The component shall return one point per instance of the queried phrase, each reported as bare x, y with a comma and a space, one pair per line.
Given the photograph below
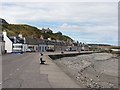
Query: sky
88, 22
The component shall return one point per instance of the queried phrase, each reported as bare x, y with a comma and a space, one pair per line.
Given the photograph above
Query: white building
8, 43
19, 47
14, 44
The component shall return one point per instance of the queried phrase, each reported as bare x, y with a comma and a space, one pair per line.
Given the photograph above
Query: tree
59, 33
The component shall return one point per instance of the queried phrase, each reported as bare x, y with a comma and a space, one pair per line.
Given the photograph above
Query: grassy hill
31, 31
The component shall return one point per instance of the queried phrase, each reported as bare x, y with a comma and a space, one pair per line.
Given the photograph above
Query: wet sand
98, 70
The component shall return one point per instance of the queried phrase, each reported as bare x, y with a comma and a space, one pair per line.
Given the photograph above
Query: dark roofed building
32, 43
48, 30
17, 40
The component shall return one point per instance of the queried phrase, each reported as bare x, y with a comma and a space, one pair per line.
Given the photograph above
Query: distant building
47, 30
50, 45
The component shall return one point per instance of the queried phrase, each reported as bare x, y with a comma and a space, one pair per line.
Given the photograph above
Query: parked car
50, 50
70, 49
73, 50
67, 50
17, 52
30, 50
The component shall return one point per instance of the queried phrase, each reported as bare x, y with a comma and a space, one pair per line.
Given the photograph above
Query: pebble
78, 64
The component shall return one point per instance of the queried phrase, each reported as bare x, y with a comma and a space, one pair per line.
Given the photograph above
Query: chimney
14, 39
41, 37
49, 39
24, 40
20, 35
4, 33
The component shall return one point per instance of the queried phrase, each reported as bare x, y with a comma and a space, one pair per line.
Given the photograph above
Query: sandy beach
98, 70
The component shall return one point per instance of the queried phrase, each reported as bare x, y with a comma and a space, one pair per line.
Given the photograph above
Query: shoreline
91, 71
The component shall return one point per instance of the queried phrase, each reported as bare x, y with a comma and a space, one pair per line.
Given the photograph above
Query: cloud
90, 29
65, 26
90, 33
90, 21
62, 12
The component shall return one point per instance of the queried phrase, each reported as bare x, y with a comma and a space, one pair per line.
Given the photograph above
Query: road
23, 71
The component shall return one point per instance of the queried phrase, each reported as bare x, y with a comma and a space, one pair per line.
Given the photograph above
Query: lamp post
78, 46
61, 48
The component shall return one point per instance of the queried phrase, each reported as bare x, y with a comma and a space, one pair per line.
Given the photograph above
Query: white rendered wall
17, 46
25, 47
8, 43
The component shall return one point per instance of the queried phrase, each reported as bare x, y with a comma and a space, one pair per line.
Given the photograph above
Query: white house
14, 44
8, 43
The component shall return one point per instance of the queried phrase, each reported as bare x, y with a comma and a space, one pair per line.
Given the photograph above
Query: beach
97, 70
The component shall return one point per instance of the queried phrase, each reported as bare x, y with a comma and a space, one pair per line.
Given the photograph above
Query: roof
17, 40
46, 30
48, 42
41, 41
31, 41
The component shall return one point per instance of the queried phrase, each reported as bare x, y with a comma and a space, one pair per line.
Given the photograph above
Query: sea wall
57, 56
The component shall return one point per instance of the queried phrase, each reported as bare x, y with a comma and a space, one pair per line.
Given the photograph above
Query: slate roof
31, 41
48, 42
41, 41
17, 40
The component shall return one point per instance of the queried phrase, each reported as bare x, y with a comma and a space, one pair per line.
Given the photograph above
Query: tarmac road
23, 71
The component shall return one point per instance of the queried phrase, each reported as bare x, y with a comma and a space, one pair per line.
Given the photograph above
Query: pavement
56, 77
25, 71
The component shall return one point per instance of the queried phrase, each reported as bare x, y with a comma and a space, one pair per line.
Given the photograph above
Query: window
17, 46
45, 48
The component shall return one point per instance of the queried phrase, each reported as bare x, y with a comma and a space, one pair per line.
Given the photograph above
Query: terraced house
22, 44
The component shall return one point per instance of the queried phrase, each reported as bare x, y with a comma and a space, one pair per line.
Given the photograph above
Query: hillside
31, 31
2, 21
